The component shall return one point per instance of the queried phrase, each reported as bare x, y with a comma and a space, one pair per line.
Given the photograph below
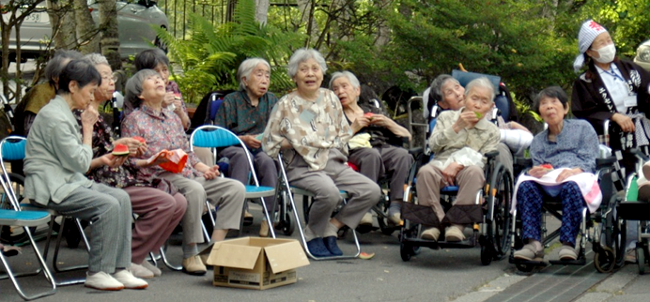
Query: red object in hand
120, 150
369, 114
547, 166
140, 139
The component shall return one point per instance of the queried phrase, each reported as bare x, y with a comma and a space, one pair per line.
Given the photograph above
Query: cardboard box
256, 263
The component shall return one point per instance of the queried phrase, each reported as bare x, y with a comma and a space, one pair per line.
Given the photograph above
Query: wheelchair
490, 217
600, 228
633, 209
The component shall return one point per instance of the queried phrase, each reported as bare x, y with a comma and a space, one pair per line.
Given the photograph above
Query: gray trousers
265, 169
227, 195
387, 159
109, 211
469, 180
325, 184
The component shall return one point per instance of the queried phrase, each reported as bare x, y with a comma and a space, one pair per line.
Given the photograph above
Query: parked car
643, 55
134, 20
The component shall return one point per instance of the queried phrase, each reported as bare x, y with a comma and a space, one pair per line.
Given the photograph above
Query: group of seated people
70, 167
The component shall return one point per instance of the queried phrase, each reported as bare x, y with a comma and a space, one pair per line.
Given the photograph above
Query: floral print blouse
161, 130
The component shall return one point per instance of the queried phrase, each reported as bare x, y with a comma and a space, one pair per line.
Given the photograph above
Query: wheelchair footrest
579, 261
469, 243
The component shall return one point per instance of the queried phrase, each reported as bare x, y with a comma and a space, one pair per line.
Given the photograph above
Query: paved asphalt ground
433, 275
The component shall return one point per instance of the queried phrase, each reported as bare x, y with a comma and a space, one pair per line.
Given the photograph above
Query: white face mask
606, 54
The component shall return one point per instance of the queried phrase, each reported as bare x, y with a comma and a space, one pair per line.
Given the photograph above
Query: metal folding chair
12, 148
307, 195
213, 137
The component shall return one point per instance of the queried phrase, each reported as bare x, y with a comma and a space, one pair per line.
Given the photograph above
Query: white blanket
587, 182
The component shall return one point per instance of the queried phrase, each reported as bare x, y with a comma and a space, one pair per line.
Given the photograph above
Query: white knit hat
588, 33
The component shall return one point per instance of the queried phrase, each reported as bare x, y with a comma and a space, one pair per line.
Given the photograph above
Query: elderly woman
564, 159
156, 59
450, 95
56, 158
379, 157
158, 211
459, 141
246, 113
162, 130
309, 125
41, 94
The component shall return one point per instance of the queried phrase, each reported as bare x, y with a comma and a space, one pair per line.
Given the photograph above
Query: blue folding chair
12, 148
213, 137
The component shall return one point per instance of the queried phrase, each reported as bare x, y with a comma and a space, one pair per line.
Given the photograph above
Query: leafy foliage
211, 54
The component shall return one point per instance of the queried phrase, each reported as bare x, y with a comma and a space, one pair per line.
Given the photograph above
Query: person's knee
329, 195
427, 172
370, 156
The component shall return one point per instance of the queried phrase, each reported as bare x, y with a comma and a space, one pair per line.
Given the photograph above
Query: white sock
331, 230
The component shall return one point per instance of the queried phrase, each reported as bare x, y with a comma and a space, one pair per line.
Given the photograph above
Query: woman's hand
89, 117
136, 148
112, 160
380, 120
568, 173
626, 123
168, 99
466, 119
360, 123
212, 173
538, 171
251, 141
449, 173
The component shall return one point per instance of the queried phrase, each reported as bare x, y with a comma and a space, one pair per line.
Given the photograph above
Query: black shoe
330, 244
317, 248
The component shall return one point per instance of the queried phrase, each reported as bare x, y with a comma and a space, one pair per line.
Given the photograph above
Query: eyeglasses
109, 79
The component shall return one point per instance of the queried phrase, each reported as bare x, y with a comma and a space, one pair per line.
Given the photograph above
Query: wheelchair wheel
619, 242
640, 259
526, 268
406, 251
499, 228
286, 225
605, 260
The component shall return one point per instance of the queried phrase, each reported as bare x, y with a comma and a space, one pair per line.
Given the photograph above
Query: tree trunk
110, 42
306, 8
230, 10
62, 21
383, 31
86, 29
261, 11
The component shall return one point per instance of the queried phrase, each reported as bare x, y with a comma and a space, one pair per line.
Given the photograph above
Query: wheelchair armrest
605, 162
416, 151
492, 154
639, 154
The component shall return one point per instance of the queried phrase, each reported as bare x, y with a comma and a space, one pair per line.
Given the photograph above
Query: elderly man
246, 113
460, 140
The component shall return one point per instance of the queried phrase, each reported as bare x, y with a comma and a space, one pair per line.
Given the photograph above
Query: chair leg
42, 263
55, 266
163, 255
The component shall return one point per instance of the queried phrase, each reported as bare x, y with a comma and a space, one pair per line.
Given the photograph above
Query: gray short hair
56, 65
481, 82
246, 68
302, 55
435, 93
350, 76
96, 59
133, 88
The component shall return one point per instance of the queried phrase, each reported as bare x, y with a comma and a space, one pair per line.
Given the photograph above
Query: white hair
481, 82
350, 76
302, 55
96, 59
246, 68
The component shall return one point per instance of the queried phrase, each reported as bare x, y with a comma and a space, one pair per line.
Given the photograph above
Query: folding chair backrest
12, 148
213, 137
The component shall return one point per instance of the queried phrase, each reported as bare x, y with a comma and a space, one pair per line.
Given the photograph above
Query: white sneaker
155, 270
140, 271
102, 281
130, 281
